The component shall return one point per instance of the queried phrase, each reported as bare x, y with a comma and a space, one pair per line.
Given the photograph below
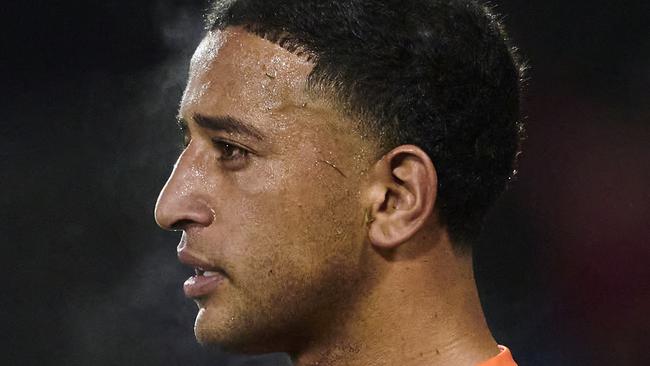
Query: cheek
263, 180
292, 214
294, 223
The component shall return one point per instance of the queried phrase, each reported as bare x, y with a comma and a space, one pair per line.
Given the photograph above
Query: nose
182, 201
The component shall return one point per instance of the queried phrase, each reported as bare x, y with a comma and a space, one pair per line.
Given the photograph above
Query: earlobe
402, 196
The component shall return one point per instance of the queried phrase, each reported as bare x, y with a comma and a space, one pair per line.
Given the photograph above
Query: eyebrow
225, 123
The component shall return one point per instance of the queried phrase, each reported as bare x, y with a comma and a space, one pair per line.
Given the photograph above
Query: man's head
320, 138
266, 204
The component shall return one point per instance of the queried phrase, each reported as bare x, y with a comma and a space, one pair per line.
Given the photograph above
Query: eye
229, 151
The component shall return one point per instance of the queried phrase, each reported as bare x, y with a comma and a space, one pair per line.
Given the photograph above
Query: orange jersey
502, 359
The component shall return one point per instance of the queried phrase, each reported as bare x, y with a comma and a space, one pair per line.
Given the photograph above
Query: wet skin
277, 206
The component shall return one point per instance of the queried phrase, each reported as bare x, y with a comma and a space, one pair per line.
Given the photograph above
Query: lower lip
199, 286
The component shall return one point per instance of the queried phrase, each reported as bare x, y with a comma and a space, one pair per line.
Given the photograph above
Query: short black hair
439, 74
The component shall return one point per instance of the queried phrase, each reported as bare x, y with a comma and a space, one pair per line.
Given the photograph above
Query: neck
422, 311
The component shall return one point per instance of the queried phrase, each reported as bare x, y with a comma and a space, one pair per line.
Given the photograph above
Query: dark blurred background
89, 94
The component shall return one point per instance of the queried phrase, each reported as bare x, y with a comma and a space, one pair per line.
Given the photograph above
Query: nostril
182, 214
181, 225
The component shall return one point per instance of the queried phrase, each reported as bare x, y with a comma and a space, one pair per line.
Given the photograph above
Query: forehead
234, 72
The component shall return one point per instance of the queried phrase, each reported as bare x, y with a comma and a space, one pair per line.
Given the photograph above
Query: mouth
203, 284
206, 278
208, 273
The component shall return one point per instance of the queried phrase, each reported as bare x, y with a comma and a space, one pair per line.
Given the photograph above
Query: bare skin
331, 251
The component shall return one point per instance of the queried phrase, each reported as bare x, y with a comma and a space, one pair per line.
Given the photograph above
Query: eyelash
222, 145
228, 150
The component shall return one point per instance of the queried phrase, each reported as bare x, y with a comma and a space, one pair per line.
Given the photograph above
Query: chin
214, 328
210, 328
232, 344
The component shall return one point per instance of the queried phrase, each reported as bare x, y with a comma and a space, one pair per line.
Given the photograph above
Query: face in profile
267, 193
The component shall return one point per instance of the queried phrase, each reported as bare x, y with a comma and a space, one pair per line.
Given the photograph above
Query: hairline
318, 89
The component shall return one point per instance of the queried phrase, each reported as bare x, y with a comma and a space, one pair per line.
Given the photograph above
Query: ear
401, 196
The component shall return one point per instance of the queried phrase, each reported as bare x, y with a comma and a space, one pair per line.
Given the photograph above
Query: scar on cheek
333, 166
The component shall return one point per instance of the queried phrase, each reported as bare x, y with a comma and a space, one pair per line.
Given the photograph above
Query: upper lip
194, 261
